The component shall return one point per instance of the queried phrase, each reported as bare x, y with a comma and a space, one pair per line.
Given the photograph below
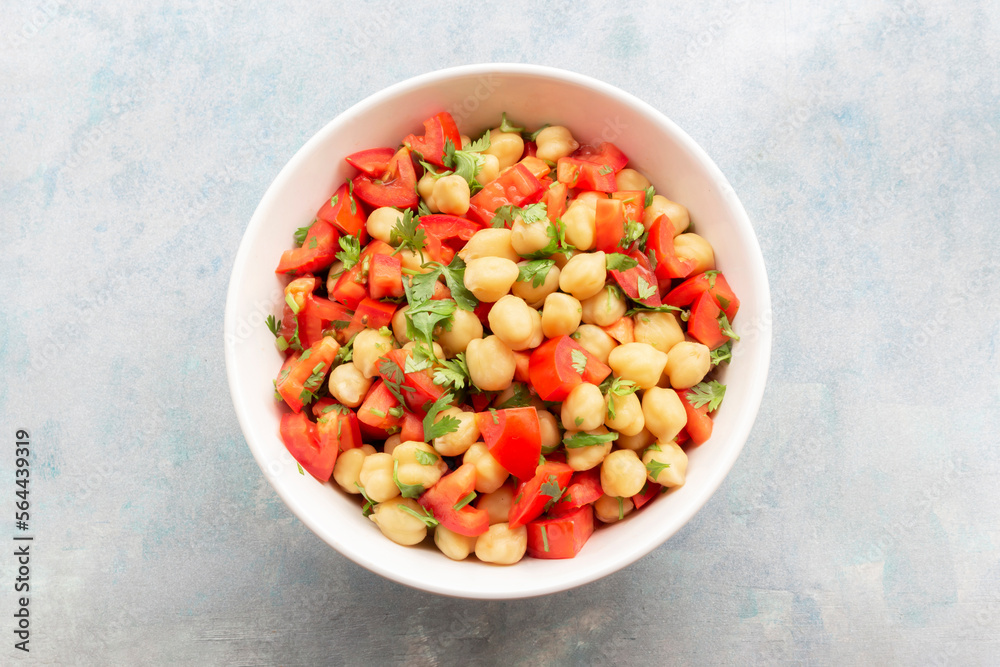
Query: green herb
650, 191
446, 425
422, 358
281, 343
396, 411
725, 327
721, 354
392, 376
551, 489
378, 413
425, 515
366, 509
453, 372
534, 213
621, 388
425, 458
310, 386
406, 234
464, 501
302, 232
507, 126
301, 471
534, 135
292, 303
584, 439
346, 352
454, 277
616, 261
706, 393
422, 209
340, 409
405, 490
579, 361
313, 243
723, 301
421, 319
579, 421
605, 170
273, 324
537, 270
520, 398
350, 251
493, 413
652, 259
710, 275
350, 197
645, 289
467, 162
504, 216
654, 309
633, 232
654, 448
545, 539
655, 467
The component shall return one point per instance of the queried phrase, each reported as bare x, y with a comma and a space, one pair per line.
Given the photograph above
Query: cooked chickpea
412, 345
453, 545
562, 258
399, 325
425, 188
687, 364
399, 526
490, 243
457, 442
584, 275
502, 544
381, 221
609, 509
628, 419
604, 308
664, 413
590, 456
451, 194
692, 246
349, 385
490, 475
497, 504
595, 340
369, 346
465, 327
424, 468
535, 296
331, 278
637, 442
298, 289
489, 278
555, 142
412, 261
630, 179
561, 315
489, 170
376, 477
639, 362
507, 147
516, 323
528, 238
661, 330
662, 206
583, 408
491, 363
550, 431
622, 474
590, 198
347, 470
671, 464
390, 444
580, 223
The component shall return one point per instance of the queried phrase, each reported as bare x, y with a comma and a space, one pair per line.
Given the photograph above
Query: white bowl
476, 95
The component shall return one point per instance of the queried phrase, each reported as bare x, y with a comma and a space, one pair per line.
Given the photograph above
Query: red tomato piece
342, 211
661, 242
450, 490
639, 283
607, 154
530, 149
375, 410
316, 456
584, 488
561, 537
551, 368
699, 423
577, 173
538, 167
622, 330
385, 277
417, 388
372, 161
522, 369
548, 482
445, 227
480, 400
514, 186
610, 225
513, 437
634, 202
689, 290
437, 130
396, 187
306, 375
703, 323
318, 315
318, 251
555, 200
350, 287
482, 311
413, 427
649, 491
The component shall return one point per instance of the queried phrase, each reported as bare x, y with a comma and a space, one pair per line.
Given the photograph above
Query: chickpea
369, 346
490, 475
584, 275
451, 194
399, 325
465, 327
497, 504
662, 206
349, 385
457, 442
412, 261
390, 444
399, 526
490, 242
595, 340
664, 413
590, 456
453, 545
516, 323
692, 246
670, 465
590, 198
502, 544
630, 179
528, 238
628, 419
622, 474
347, 470
507, 147
489, 170
687, 364
410, 347
298, 289
424, 468
489, 278
336, 269
491, 363
562, 258
661, 330
535, 296
425, 188
639, 362
550, 431
580, 223
381, 221
637, 442
376, 477
604, 308
555, 142
583, 409
609, 509
561, 315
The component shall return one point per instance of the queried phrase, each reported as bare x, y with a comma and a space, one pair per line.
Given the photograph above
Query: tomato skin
622, 330
689, 290
661, 242
318, 251
350, 288
633, 202
538, 167
555, 200
396, 187
304, 444
628, 280
448, 226
529, 501
385, 277
421, 388
342, 211
703, 323
551, 371
522, 368
577, 173
372, 161
291, 387
437, 129
564, 535
643, 497
514, 438
699, 424
317, 315
413, 427
374, 411
584, 488
441, 499
605, 155
514, 186
610, 225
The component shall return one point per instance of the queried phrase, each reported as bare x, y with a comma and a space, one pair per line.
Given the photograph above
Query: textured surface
860, 523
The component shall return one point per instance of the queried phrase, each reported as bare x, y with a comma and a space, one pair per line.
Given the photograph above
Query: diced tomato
318, 251
448, 226
561, 537
482, 311
370, 314
289, 327
536, 166
322, 406
441, 291
420, 388
622, 330
682, 437
638, 282
555, 200
413, 427
450, 490
649, 491
699, 424
577, 173
316, 456
437, 251
607, 154
514, 186
385, 277
375, 410
530, 149
372, 161
338, 428
551, 368
634, 202
437, 130
716, 284
522, 368
610, 225
350, 287
318, 315
513, 437
661, 242
342, 211
584, 488
480, 400
313, 363
396, 187
703, 323
537, 491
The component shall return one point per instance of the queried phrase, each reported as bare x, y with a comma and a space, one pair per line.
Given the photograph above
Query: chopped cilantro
406, 234
584, 439
656, 467
507, 126
405, 490
537, 270
706, 393
426, 515
464, 501
445, 425
616, 261
579, 361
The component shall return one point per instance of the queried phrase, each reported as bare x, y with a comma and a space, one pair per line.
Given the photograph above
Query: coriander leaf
504, 216
432, 170
726, 327
302, 232
551, 489
405, 490
534, 135
710, 275
422, 209
507, 126
464, 501
392, 376
536, 270
654, 447
446, 425
710, 393
366, 510
579, 420
579, 361
633, 232
616, 261
292, 303
655, 468
465, 164
273, 324
545, 539
426, 516
453, 372
654, 309
479, 145
721, 354
309, 387
620, 388
645, 289
534, 213
650, 191
493, 413
723, 301
605, 170
406, 234
454, 278
421, 319
426, 458
584, 439
520, 398
422, 358
351, 251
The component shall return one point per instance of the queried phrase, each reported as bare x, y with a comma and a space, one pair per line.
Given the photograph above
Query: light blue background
860, 524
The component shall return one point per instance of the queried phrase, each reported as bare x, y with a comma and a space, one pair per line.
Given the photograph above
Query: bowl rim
751, 403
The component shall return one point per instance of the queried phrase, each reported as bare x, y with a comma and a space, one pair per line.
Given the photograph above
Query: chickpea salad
499, 340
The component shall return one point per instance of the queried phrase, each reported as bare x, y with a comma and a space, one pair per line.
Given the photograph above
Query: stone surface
860, 525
